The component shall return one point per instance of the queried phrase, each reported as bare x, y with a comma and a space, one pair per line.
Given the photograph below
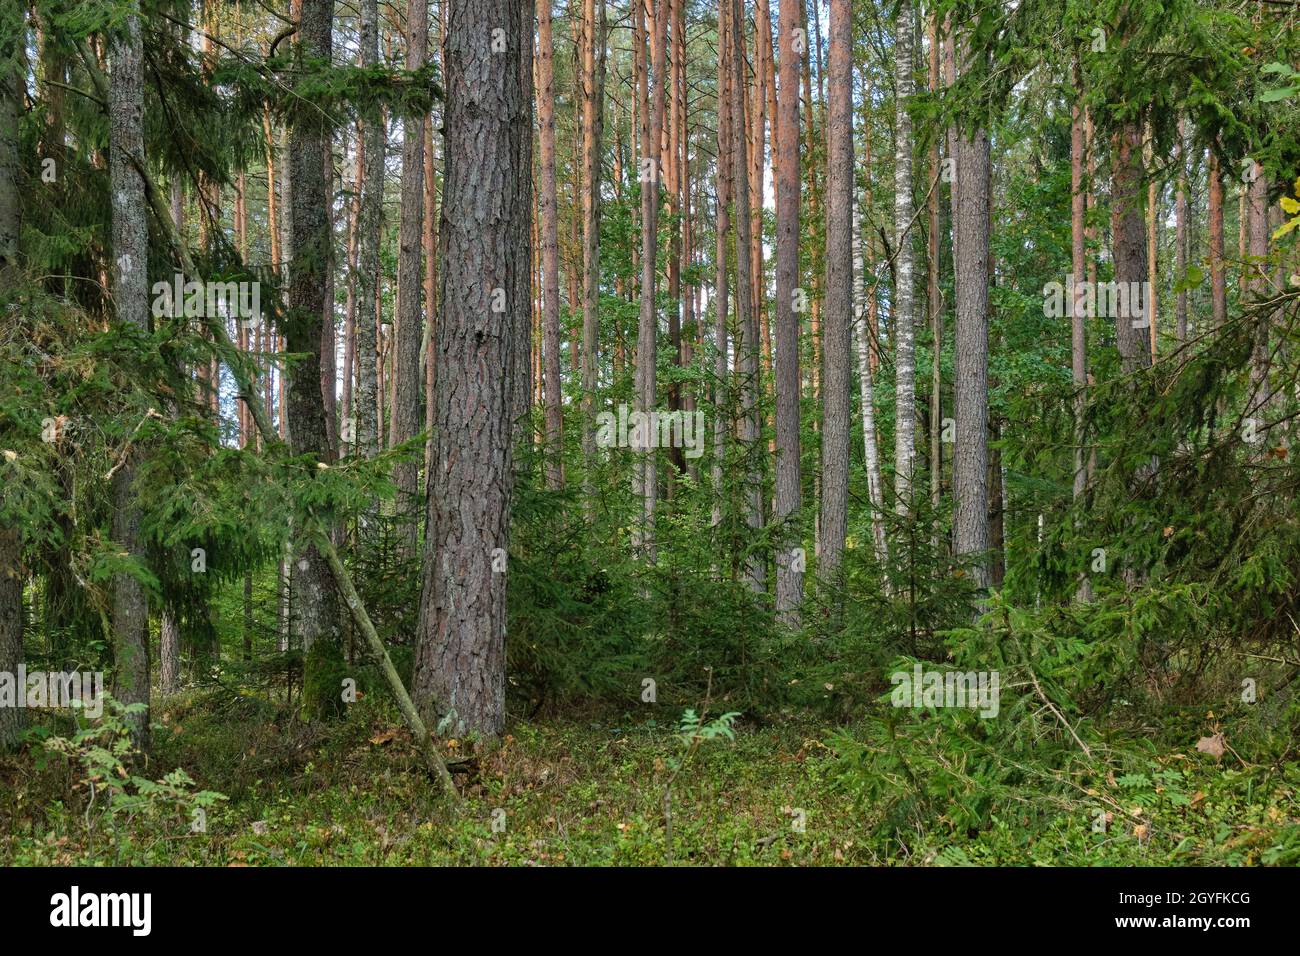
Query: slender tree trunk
721, 292
867, 399
1078, 268
550, 248
970, 218
315, 599
369, 224
904, 293
460, 657
1153, 201
864, 335
520, 294
933, 296
12, 576
747, 354
130, 231
789, 576
652, 121
1218, 281
1180, 235
1258, 283
838, 315
407, 409
593, 90
350, 308
430, 289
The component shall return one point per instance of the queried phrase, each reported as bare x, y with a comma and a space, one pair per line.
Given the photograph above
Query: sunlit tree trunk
904, 293
838, 315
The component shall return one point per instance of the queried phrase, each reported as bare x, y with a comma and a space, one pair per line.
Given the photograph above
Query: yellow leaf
1290, 205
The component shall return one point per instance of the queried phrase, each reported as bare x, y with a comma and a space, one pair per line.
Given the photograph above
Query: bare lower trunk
1078, 268
460, 657
838, 316
721, 291
369, 223
789, 576
1218, 281
904, 293
867, 400
1128, 235
130, 612
408, 410
593, 90
970, 219
316, 617
169, 653
646, 475
747, 354
550, 249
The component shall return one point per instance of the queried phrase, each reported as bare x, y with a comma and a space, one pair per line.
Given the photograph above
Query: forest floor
579, 792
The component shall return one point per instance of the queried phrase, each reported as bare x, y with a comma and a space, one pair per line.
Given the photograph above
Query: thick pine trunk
460, 659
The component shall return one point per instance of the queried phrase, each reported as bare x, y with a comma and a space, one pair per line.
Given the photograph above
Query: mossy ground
590, 791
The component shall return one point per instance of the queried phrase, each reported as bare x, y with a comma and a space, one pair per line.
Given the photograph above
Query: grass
590, 792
